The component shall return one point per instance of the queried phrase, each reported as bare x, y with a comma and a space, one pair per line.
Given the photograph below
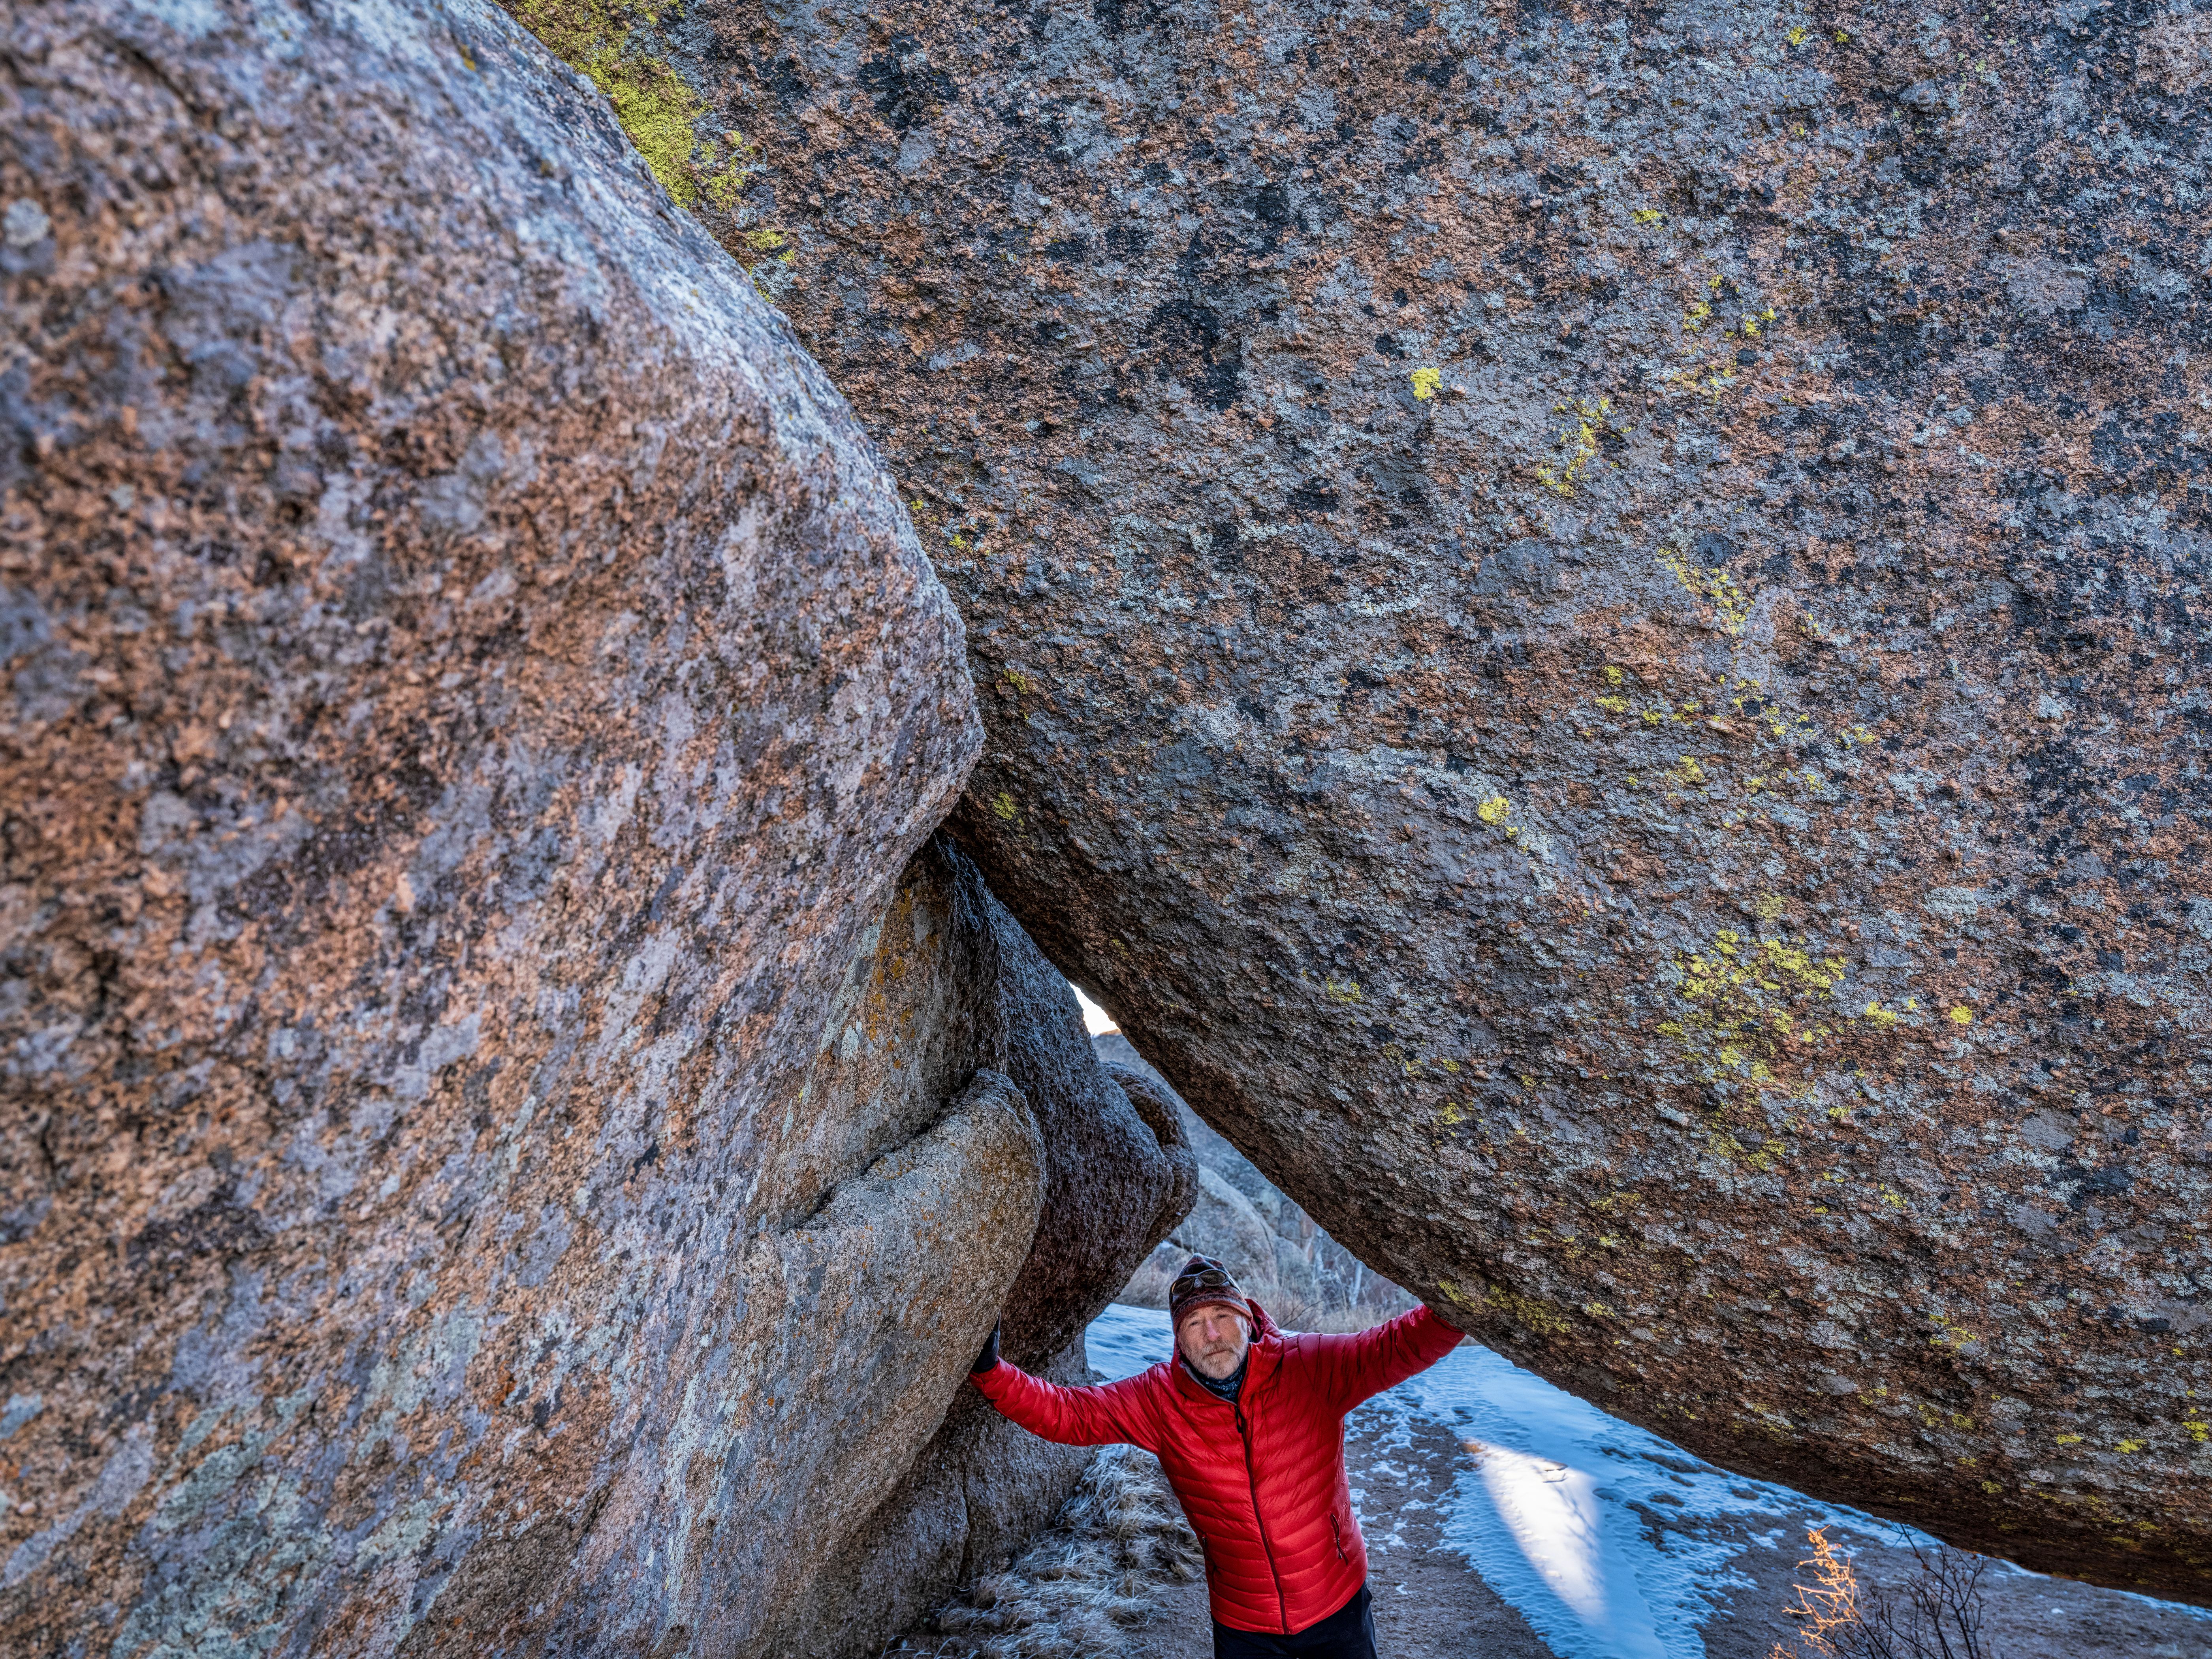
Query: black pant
1347, 1633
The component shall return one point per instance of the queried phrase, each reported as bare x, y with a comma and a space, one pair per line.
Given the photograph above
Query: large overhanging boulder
1592, 631
511, 1135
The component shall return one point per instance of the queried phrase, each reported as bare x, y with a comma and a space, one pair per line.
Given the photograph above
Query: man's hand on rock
988, 1359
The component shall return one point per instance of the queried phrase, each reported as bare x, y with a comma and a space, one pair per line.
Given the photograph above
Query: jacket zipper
1282, 1603
1336, 1527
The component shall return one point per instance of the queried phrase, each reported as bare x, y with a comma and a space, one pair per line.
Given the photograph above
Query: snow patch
1558, 1513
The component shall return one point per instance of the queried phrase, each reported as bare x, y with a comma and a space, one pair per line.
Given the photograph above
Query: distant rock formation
1305, 1278
1592, 620
510, 1135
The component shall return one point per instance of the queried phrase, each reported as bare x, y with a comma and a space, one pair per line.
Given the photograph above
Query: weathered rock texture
497, 1158
835, 1563
954, 971
1592, 627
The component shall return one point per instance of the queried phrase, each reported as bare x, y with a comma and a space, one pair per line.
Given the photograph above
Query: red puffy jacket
1262, 1480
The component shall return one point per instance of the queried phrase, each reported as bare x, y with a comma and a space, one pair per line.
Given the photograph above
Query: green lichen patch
702, 164
1731, 606
1759, 1010
1576, 446
1529, 1312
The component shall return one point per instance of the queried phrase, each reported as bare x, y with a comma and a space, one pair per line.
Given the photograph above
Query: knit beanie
1202, 1280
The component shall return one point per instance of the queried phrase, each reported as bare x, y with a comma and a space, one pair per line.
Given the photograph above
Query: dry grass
1076, 1591
1148, 1288
1148, 1285
1936, 1615
1296, 1314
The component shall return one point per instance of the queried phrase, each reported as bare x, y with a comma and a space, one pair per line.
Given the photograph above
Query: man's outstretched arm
1385, 1356
1072, 1417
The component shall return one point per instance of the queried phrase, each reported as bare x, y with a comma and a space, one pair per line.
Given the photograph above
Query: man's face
1213, 1338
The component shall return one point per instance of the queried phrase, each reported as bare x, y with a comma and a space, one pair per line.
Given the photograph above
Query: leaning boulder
1591, 623
953, 975
474, 712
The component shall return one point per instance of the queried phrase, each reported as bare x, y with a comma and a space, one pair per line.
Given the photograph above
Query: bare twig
1938, 1613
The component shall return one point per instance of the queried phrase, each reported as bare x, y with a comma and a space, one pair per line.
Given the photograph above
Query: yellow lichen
1576, 446
1494, 810
1003, 804
1734, 1152
1731, 606
1537, 1315
764, 241
1756, 1012
613, 44
1962, 1016
1426, 382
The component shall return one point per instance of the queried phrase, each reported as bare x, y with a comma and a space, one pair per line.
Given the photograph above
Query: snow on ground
1124, 1340
1545, 1517
1555, 1514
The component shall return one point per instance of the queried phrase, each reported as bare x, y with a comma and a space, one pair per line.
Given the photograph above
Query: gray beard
1227, 1386
1219, 1363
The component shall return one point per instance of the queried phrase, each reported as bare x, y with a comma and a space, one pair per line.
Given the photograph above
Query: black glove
988, 1359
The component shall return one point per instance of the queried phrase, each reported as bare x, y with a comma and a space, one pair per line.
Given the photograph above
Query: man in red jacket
1249, 1423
